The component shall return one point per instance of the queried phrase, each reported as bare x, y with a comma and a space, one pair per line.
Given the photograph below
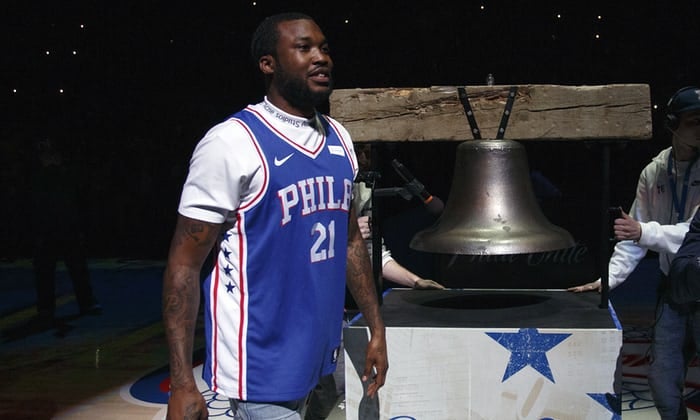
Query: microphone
433, 204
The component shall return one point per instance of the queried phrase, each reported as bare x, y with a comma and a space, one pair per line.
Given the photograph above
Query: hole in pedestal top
485, 301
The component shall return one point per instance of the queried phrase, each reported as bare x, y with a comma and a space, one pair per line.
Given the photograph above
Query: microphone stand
377, 232
370, 179
376, 247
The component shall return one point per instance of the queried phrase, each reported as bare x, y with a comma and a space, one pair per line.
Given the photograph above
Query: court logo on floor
152, 390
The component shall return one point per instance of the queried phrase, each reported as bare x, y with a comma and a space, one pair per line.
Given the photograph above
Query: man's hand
626, 228
187, 404
365, 224
588, 287
425, 284
375, 361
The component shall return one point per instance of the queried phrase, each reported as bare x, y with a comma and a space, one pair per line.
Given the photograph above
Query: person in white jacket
668, 194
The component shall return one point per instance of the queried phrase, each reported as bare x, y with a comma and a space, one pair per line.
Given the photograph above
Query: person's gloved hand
588, 287
365, 223
425, 284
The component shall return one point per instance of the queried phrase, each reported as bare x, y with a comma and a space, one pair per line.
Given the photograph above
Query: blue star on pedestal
528, 347
229, 287
612, 402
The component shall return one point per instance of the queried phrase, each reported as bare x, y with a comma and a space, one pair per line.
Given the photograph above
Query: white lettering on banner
315, 194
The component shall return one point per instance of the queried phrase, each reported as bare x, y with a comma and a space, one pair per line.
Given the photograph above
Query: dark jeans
675, 342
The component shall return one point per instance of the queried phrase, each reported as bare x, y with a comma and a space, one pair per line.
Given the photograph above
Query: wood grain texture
540, 112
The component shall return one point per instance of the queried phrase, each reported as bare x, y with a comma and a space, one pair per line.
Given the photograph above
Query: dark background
142, 81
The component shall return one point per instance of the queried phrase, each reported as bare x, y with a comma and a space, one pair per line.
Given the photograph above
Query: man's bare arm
191, 243
362, 288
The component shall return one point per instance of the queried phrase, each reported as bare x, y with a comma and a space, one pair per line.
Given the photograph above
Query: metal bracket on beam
476, 132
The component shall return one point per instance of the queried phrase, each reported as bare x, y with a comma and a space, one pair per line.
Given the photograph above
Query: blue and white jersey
275, 296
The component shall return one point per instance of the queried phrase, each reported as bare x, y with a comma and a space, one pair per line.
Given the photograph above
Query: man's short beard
298, 94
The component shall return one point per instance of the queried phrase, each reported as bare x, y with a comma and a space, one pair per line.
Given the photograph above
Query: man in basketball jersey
270, 190
668, 195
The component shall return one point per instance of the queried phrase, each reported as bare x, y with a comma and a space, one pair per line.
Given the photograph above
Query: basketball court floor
114, 365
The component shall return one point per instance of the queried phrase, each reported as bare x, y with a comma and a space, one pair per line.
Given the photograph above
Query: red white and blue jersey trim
273, 302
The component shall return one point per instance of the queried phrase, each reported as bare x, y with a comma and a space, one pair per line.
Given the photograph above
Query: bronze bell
492, 209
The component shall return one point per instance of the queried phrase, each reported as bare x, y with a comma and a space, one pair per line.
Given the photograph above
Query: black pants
47, 252
322, 399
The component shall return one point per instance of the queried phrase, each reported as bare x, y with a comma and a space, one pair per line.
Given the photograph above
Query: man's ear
266, 63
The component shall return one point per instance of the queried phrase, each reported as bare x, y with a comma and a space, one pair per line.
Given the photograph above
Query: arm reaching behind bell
427, 284
391, 269
623, 228
588, 287
395, 272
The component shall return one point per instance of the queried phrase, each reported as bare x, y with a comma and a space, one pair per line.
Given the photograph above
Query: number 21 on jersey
324, 245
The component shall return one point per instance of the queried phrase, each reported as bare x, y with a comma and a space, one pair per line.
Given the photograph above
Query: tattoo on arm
359, 276
191, 244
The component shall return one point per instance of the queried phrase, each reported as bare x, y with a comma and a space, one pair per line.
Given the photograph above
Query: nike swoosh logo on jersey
280, 162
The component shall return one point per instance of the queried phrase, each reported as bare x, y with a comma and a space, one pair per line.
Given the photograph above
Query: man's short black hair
266, 35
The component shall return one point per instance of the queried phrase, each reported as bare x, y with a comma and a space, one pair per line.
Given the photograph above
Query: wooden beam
540, 112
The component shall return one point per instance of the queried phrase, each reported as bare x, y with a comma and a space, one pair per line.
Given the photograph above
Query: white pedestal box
490, 354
